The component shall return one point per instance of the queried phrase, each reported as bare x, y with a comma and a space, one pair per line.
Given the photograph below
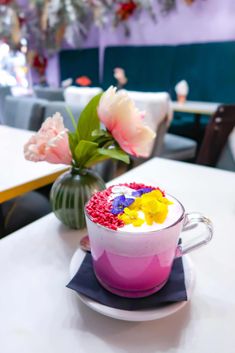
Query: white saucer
138, 315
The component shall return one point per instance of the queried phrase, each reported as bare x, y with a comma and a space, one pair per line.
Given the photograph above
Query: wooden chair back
216, 135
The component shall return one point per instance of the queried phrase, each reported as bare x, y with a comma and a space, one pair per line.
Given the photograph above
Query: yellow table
17, 175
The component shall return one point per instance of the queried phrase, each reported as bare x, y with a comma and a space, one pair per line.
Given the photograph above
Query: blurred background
175, 58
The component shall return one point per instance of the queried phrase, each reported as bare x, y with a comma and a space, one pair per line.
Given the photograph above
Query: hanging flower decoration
167, 6
46, 25
8, 24
189, 2
126, 10
40, 64
5, 2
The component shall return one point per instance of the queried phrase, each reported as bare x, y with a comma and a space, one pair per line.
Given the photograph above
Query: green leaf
100, 132
103, 138
115, 153
73, 141
96, 158
84, 151
69, 111
89, 119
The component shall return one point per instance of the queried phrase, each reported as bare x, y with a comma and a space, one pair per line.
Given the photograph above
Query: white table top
17, 175
206, 108
39, 314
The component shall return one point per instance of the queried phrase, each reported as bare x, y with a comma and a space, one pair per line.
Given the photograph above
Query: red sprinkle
99, 209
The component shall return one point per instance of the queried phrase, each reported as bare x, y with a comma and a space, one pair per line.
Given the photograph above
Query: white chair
24, 112
53, 107
156, 105
80, 95
158, 116
4, 92
49, 93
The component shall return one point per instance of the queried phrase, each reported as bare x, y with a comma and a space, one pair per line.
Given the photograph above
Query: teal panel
209, 69
148, 68
83, 62
219, 63
188, 65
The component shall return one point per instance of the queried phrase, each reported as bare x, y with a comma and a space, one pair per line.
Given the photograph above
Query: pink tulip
50, 143
125, 122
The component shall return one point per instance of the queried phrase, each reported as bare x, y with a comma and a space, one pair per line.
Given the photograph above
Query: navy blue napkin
85, 282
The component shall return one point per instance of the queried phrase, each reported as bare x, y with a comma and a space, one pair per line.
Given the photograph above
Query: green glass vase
71, 191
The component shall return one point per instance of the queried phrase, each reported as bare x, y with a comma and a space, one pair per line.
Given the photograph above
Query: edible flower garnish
155, 207
131, 217
120, 202
128, 204
152, 204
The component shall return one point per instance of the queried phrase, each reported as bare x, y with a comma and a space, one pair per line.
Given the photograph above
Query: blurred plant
83, 81
125, 10
120, 76
189, 2
47, 24
39, 63
5, 2
167, 6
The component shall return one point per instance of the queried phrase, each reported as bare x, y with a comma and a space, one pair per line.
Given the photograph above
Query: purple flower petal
116, 210
118, 200
119, 203
142, 191
128, 202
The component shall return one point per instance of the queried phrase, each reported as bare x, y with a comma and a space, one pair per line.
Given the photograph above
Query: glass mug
137, 264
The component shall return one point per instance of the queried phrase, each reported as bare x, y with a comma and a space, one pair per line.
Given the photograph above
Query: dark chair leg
2, 227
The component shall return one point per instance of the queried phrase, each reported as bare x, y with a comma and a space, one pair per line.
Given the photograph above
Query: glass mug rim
119, 233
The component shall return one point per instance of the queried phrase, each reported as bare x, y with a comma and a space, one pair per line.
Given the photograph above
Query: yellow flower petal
136, 205
124, 218
160, 217
138, 222
148, 218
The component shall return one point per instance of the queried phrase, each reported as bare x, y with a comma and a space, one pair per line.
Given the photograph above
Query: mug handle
189, 245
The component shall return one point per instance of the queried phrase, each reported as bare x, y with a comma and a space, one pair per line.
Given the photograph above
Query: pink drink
136, 261
131, 276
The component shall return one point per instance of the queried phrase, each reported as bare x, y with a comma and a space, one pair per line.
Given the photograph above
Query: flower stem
69, 111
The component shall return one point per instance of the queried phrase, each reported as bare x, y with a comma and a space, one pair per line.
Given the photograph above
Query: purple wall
92, 41
52, 71
203, 21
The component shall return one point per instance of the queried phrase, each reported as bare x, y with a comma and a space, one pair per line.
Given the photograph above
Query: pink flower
120, 76
50, 143
125, 122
